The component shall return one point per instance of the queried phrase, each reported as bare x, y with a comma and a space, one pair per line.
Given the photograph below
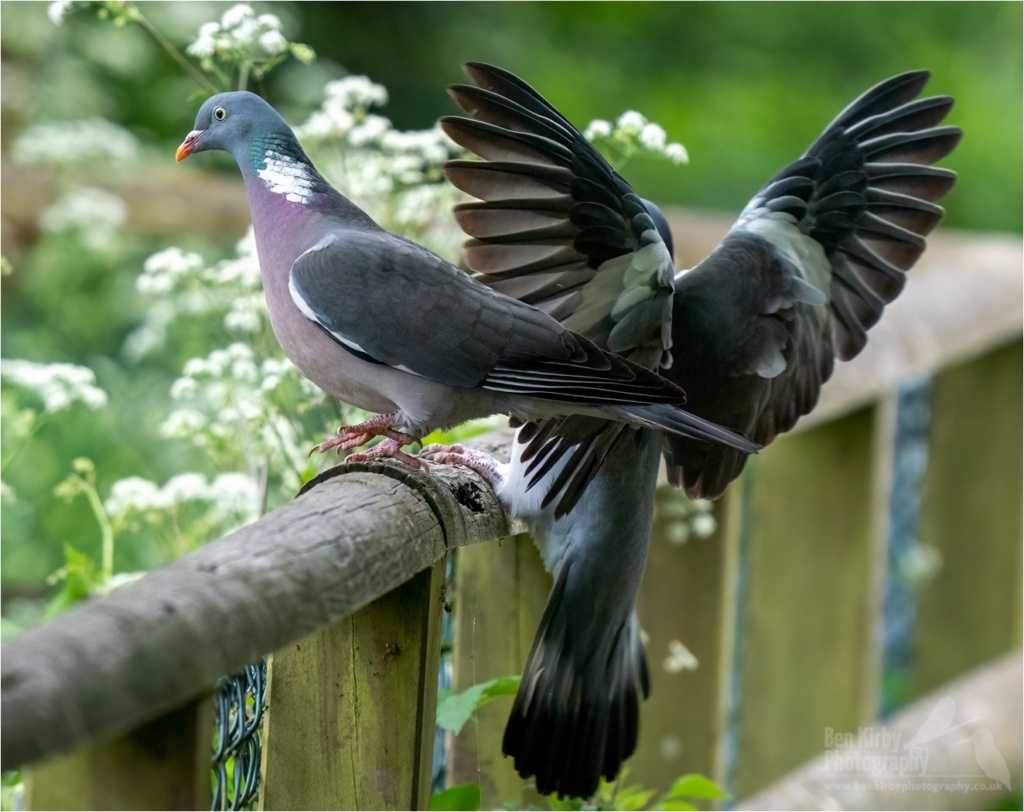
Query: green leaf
81, 577
502, 686
632, 798
560, 804
696, 786
683, 806
454, 710
463, 796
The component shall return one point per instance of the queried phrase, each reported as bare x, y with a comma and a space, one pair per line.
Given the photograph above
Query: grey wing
392, 302
806, 271
559, 228
556, 226
396, 303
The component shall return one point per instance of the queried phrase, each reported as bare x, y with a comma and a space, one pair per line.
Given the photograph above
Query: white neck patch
286, 176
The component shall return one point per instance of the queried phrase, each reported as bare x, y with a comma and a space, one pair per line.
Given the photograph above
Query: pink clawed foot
388, 448
380, 426
483, 464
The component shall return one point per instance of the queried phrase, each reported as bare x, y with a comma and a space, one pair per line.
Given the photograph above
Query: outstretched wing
556, 226
806, 271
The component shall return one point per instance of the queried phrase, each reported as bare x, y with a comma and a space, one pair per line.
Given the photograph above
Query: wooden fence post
351, 708
970, 612
164, 764
810, 576
500, 592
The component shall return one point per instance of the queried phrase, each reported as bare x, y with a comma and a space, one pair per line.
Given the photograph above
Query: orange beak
188, 145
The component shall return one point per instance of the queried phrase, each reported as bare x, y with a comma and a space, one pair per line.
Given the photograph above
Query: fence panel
350, 712
971, 611
807, 575
499, 596
164, 764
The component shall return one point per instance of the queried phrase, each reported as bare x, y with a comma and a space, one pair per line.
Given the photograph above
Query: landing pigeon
750, 333
384, 324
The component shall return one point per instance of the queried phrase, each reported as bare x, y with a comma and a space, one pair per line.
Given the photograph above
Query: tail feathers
576, 716
664, 417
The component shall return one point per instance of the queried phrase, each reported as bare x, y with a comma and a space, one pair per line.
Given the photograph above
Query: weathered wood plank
970, 612
500, 593
110, 665
164, 764
351, 707
807, 596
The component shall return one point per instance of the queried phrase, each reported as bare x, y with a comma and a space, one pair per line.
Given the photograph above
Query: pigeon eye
220, 113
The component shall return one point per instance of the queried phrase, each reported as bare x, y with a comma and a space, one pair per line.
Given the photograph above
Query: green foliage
12, 791
454, 710
463, 796
618, 794
231, 440
610, 795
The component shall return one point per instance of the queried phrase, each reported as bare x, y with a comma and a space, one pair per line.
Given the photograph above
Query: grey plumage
750, 333
333, 277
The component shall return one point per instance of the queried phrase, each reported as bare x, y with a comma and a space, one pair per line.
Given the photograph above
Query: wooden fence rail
109, 665
783, 608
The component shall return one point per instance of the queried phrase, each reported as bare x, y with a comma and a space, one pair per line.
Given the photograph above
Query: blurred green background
745, 86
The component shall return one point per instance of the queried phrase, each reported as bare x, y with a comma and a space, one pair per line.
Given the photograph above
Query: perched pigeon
384, 324
750, 333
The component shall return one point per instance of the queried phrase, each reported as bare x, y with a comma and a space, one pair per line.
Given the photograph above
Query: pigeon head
229, 122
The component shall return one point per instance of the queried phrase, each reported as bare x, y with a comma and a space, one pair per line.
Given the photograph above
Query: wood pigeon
750, 333
384, 324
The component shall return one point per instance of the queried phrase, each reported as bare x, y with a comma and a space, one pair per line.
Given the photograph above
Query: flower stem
175, 54
106, 532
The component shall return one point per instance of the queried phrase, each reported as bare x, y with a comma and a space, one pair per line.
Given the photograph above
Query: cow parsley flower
59, 386
94, 215
679, 658
58, 10
598, 128
242, 38
633, 133
88, 141
163, 271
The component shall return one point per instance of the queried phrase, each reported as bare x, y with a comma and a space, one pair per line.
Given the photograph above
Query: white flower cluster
92, 140
232, 496
94, 214
685, 518
180, 282
394, 175
59, 386
410, 157
58, 9
346, 102
163, 272
232, 400
240, 29
679, 658
631, 133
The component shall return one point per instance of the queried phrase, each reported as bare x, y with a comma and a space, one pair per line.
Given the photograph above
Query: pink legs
380, 426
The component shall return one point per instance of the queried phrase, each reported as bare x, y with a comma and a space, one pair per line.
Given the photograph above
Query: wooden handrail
111, 664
